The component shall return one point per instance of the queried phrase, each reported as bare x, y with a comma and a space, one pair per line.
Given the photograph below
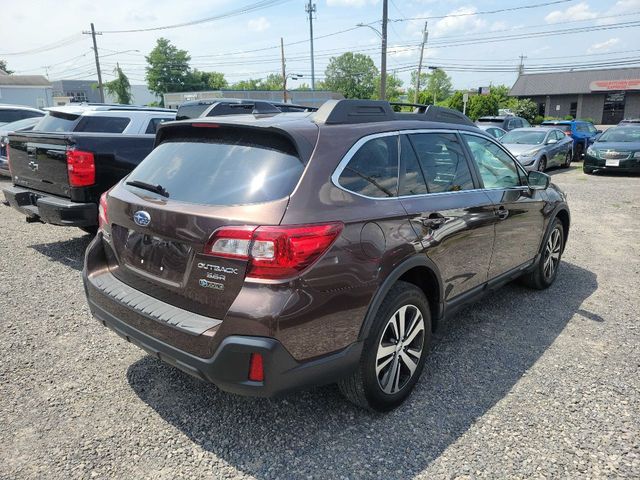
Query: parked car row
356, 229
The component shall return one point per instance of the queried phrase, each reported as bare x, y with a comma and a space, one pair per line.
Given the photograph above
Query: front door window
613, 111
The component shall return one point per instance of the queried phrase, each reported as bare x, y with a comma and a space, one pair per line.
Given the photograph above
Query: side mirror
538, 180
598, 131
551, 141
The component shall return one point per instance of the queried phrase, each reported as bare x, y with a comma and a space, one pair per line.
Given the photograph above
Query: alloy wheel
552, 253
400, 349
542, 164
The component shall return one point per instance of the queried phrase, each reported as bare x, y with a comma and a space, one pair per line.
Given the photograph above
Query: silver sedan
538, 148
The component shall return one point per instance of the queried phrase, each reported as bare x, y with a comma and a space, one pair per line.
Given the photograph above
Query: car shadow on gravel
477, 358
67, 252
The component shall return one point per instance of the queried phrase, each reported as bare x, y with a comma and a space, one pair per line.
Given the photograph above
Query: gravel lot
523, 384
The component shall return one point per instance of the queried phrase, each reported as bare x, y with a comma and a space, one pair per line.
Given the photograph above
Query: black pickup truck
74, 154
58, 177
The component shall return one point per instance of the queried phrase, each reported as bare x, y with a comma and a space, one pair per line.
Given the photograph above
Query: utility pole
521, 67
310, 8
93, 34
383, 60
425, 36
284, 74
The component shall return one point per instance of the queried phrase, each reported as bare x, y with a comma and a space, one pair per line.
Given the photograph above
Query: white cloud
581, 11
350, 3
459, 20
603, 46
258, 24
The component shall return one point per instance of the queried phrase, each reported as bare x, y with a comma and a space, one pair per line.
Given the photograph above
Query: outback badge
142, 218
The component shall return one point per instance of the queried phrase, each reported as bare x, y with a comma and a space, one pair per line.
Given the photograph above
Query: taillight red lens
274, 252
81, 167
103, 215
256, 368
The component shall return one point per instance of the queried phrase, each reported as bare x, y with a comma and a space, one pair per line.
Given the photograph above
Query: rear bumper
228, 367
48, 208
4, 167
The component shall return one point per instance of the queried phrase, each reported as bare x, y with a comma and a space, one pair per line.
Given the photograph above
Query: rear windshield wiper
159, 189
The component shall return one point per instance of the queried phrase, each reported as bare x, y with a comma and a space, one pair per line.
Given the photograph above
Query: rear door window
373, 169
234, 168
443, 162
411, 179
102, 124
154, 123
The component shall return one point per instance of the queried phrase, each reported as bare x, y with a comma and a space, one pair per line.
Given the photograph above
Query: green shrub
538, 119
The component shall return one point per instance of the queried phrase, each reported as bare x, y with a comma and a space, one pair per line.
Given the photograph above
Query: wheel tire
543, 275
90, 230
577, 154
587, 170
364, 386
542, 164
567, 159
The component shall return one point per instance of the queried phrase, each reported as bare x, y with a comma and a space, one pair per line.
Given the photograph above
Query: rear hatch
205, 179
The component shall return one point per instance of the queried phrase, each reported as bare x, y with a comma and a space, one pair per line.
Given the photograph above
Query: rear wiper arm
159, 189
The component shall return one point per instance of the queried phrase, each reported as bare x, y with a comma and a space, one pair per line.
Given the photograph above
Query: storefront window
613, 108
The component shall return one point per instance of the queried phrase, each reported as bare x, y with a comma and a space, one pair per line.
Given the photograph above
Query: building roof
24, 80
573, 82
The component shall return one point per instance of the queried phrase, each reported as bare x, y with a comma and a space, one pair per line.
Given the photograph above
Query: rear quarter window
231, 169
102, 124
373, 170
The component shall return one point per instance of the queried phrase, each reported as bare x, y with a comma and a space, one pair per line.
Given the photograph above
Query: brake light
256, 368
274, 252
103, 215
81, 167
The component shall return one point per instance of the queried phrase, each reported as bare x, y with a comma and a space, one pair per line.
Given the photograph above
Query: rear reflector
274, 252
81, 167
256, 368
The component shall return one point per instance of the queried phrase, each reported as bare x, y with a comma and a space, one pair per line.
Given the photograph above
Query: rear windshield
102, 124
8, 115
191, 111
233, 170
524, 137
57, 122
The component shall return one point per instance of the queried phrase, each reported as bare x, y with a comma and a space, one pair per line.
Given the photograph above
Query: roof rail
335, 112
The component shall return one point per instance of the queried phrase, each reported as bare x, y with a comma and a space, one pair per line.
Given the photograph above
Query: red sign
608, 85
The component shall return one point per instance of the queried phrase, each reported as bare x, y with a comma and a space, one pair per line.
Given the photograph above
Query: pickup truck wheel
546, 268
90, 230
394, 353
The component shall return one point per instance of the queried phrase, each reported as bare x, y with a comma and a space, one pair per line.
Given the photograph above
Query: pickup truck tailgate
38, 161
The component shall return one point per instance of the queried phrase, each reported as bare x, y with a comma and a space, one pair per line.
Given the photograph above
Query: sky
45, 37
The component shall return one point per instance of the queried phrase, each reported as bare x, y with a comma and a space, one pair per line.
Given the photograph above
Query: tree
481, 105
393, 90
168, 69
527, 108
120, 87
4, 68
249, 84
272, 82
438, 87
351, 74
303, 87
411, 91
217, 81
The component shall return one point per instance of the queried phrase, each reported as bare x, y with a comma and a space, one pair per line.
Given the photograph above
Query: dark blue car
583, 134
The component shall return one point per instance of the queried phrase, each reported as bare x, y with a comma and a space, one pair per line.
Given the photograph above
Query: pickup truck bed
41, 173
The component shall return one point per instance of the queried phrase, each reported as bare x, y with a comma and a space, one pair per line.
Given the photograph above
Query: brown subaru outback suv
264, 254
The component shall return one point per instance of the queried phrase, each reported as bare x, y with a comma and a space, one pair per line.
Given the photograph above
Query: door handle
502, 213
434, 221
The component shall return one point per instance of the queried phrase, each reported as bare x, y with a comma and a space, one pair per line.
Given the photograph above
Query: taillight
274, 252
256, 367
81, 167
103, 215
568, 134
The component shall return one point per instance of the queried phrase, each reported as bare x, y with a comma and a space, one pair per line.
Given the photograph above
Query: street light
383, 59
372, 28
292, 76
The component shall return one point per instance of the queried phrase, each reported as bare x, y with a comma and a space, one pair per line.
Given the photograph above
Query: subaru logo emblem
142, 218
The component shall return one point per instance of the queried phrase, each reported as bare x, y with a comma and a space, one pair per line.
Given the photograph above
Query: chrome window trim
356, 146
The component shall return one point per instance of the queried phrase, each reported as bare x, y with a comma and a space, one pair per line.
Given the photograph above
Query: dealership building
605, 96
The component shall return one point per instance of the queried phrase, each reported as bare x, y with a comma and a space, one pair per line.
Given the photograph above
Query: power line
231, 13
50, 46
